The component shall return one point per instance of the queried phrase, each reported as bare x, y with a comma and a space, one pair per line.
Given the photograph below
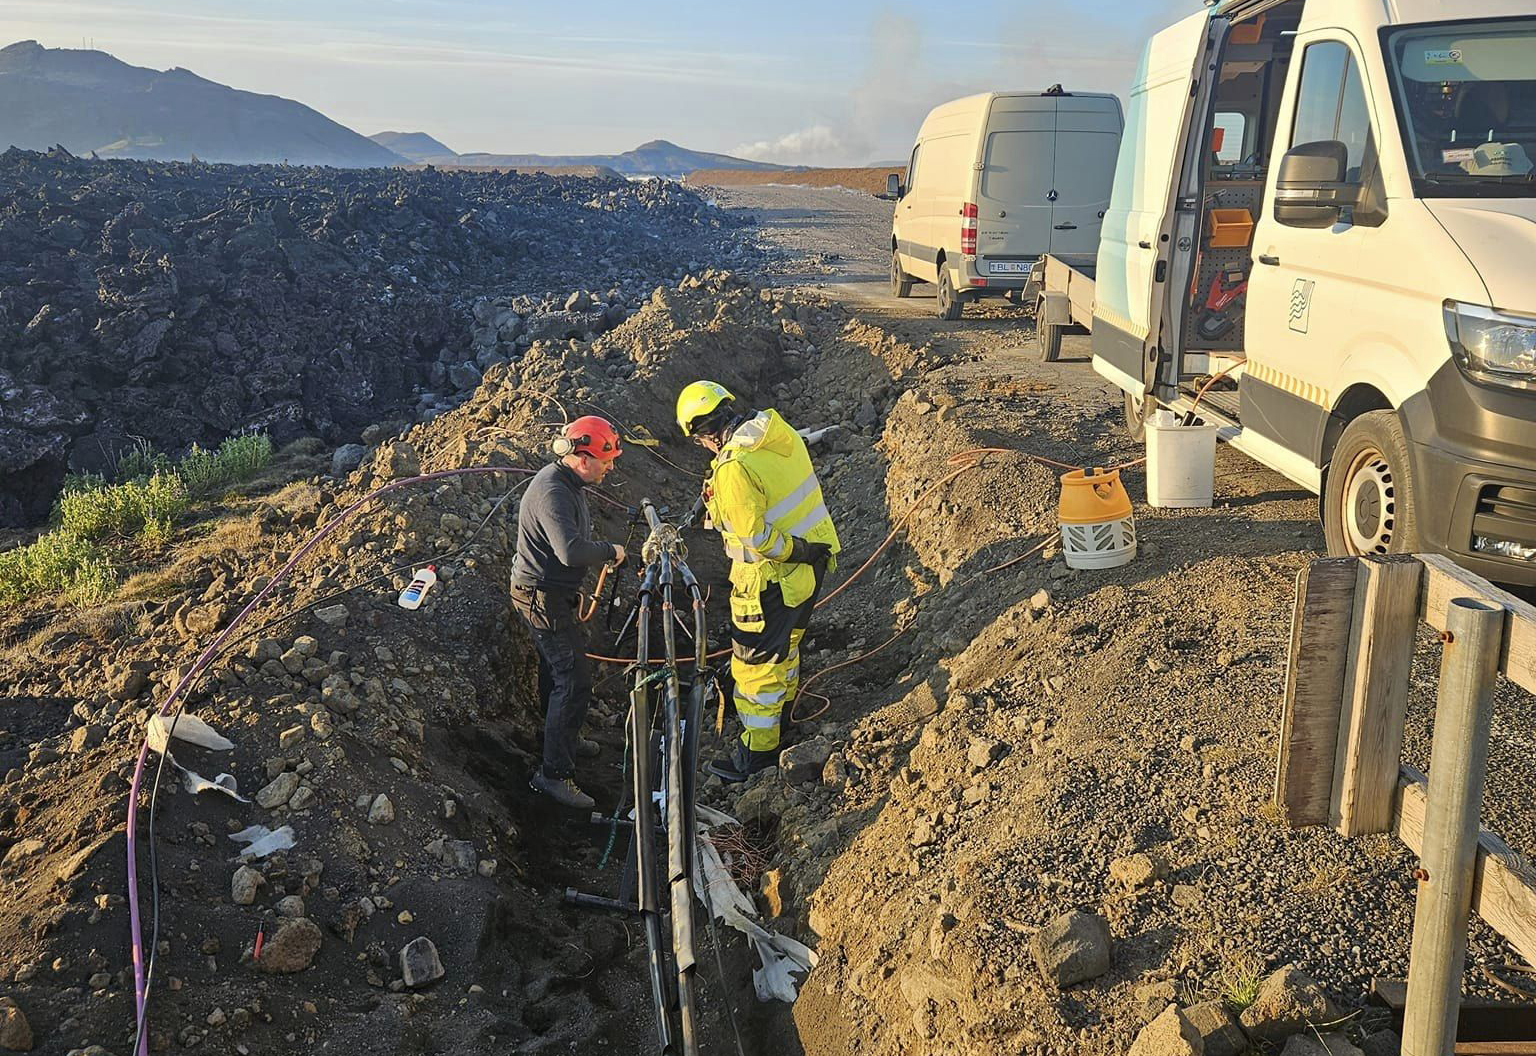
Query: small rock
382, 811
321, 725
15, 1031
347, 458
1170, 1034
1288, 1001
332, 615
802, 763
302, 798
486, 867
292, 947
291, 906
1309, 1044
85, 738
775, 888
982, 752
279, 792
1040, 601
1217, 1029
1135, 871
217, 1018
23, 849
1382, 1043
1150, 999
290, 737
460, 855
131, 683
420, 964
1073, 948
99, 980
242, 888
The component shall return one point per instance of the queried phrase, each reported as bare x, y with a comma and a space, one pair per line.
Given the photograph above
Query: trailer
1063, 297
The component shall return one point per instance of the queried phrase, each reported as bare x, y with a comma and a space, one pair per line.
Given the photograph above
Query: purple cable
141, 994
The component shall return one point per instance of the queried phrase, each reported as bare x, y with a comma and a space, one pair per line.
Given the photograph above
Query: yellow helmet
698, 400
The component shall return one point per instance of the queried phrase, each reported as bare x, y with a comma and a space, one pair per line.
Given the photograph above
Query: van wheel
1368, 501
1137, 408
949, 303
1049, 336
901, 282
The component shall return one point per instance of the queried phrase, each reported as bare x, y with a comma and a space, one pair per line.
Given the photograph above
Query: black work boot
742, 764
586, 748
562, 790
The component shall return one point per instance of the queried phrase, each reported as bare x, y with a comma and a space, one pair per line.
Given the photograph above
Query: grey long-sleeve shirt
554, 533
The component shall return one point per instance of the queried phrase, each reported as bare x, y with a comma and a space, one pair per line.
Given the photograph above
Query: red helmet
590, 435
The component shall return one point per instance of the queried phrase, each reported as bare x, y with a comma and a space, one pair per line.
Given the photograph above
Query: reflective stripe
809, 521
803, 491
758, 722
765, 699
756, 542
778, 552
736, 552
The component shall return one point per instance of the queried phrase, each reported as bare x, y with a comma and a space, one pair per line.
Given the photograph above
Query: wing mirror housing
893, 188
1310, 188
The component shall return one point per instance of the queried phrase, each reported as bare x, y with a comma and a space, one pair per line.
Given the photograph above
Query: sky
790, 81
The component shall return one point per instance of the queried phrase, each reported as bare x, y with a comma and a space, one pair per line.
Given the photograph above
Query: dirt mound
185, 302
339, 702
870, 180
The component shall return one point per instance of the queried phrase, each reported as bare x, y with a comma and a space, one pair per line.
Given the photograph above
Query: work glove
805, 552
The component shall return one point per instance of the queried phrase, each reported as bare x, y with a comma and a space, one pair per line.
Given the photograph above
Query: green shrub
140, 462
122, 510
238, 458
58, 563
200, 471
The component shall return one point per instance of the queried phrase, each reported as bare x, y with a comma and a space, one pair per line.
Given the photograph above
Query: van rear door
1126, 294
1087, 140
1018, 166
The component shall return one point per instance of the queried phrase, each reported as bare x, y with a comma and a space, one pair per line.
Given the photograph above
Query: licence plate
1009, 267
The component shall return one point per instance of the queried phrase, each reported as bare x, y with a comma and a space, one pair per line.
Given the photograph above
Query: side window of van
912, 168
1331, 103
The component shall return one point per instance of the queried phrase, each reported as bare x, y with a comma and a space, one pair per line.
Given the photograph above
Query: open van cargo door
1133, 256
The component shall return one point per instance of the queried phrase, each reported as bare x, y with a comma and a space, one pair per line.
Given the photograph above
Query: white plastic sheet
188, 728
262, 841
196, 783
781, 955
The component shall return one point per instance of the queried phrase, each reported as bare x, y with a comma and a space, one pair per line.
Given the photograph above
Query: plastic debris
263, 841
185, 727
196, 783
781, 955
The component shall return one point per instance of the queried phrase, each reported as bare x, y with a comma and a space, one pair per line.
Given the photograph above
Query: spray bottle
411, 596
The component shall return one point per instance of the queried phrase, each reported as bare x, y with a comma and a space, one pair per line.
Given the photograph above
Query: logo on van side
1301, 305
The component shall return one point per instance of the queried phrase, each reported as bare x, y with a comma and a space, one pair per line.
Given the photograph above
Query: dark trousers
565, 675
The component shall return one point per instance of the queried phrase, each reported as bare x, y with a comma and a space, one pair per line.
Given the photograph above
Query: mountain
89, 101
656, 158
417, 146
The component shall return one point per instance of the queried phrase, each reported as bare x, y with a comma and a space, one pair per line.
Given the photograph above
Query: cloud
813, 145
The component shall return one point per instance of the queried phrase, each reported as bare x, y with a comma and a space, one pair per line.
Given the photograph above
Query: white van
1323, 230
997, 181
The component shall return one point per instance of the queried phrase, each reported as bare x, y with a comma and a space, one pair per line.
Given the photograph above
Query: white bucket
1181, 463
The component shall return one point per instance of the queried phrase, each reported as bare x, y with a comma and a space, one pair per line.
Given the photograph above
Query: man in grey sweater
555, 549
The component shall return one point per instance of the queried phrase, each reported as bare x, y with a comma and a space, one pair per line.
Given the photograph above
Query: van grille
1506, 512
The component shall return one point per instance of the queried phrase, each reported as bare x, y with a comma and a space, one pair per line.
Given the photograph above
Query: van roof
1387, 12
983, 100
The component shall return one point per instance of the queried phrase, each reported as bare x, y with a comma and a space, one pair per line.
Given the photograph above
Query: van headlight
1492, 346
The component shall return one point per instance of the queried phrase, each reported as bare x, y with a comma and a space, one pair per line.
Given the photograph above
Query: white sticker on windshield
1443, 57
1458, 155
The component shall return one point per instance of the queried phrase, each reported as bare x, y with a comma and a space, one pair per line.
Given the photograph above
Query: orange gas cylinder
1097, 527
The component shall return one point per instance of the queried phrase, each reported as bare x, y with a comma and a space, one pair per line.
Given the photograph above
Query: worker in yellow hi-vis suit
763, 496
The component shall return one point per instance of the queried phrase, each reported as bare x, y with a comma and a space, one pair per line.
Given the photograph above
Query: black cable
154, 796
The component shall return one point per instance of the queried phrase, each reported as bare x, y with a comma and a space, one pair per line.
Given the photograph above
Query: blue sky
794, 81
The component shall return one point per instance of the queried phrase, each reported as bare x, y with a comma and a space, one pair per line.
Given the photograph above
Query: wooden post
1314, 689
1457, 765
1370, 741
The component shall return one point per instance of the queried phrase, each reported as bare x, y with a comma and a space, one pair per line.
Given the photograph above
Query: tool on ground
1228, 287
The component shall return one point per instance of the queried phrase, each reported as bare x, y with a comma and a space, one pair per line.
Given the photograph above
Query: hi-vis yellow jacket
762, 493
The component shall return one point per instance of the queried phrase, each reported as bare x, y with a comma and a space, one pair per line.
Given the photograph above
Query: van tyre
949, 303
1137, 408
1049, 336
1368, 500
901, 282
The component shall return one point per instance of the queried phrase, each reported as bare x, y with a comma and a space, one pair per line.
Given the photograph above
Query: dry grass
870, 180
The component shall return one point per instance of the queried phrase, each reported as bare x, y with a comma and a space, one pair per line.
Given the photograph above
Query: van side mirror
893, 188
1310, 190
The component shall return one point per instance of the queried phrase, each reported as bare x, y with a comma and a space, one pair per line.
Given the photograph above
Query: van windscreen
1019, 166
1466, 96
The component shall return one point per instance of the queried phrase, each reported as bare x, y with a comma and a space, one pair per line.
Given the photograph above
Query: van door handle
1270, 259
1066, 227
1144, 244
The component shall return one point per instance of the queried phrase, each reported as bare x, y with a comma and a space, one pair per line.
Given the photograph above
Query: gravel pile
185, 302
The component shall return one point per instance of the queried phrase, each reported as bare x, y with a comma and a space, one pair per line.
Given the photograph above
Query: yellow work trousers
765, 661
